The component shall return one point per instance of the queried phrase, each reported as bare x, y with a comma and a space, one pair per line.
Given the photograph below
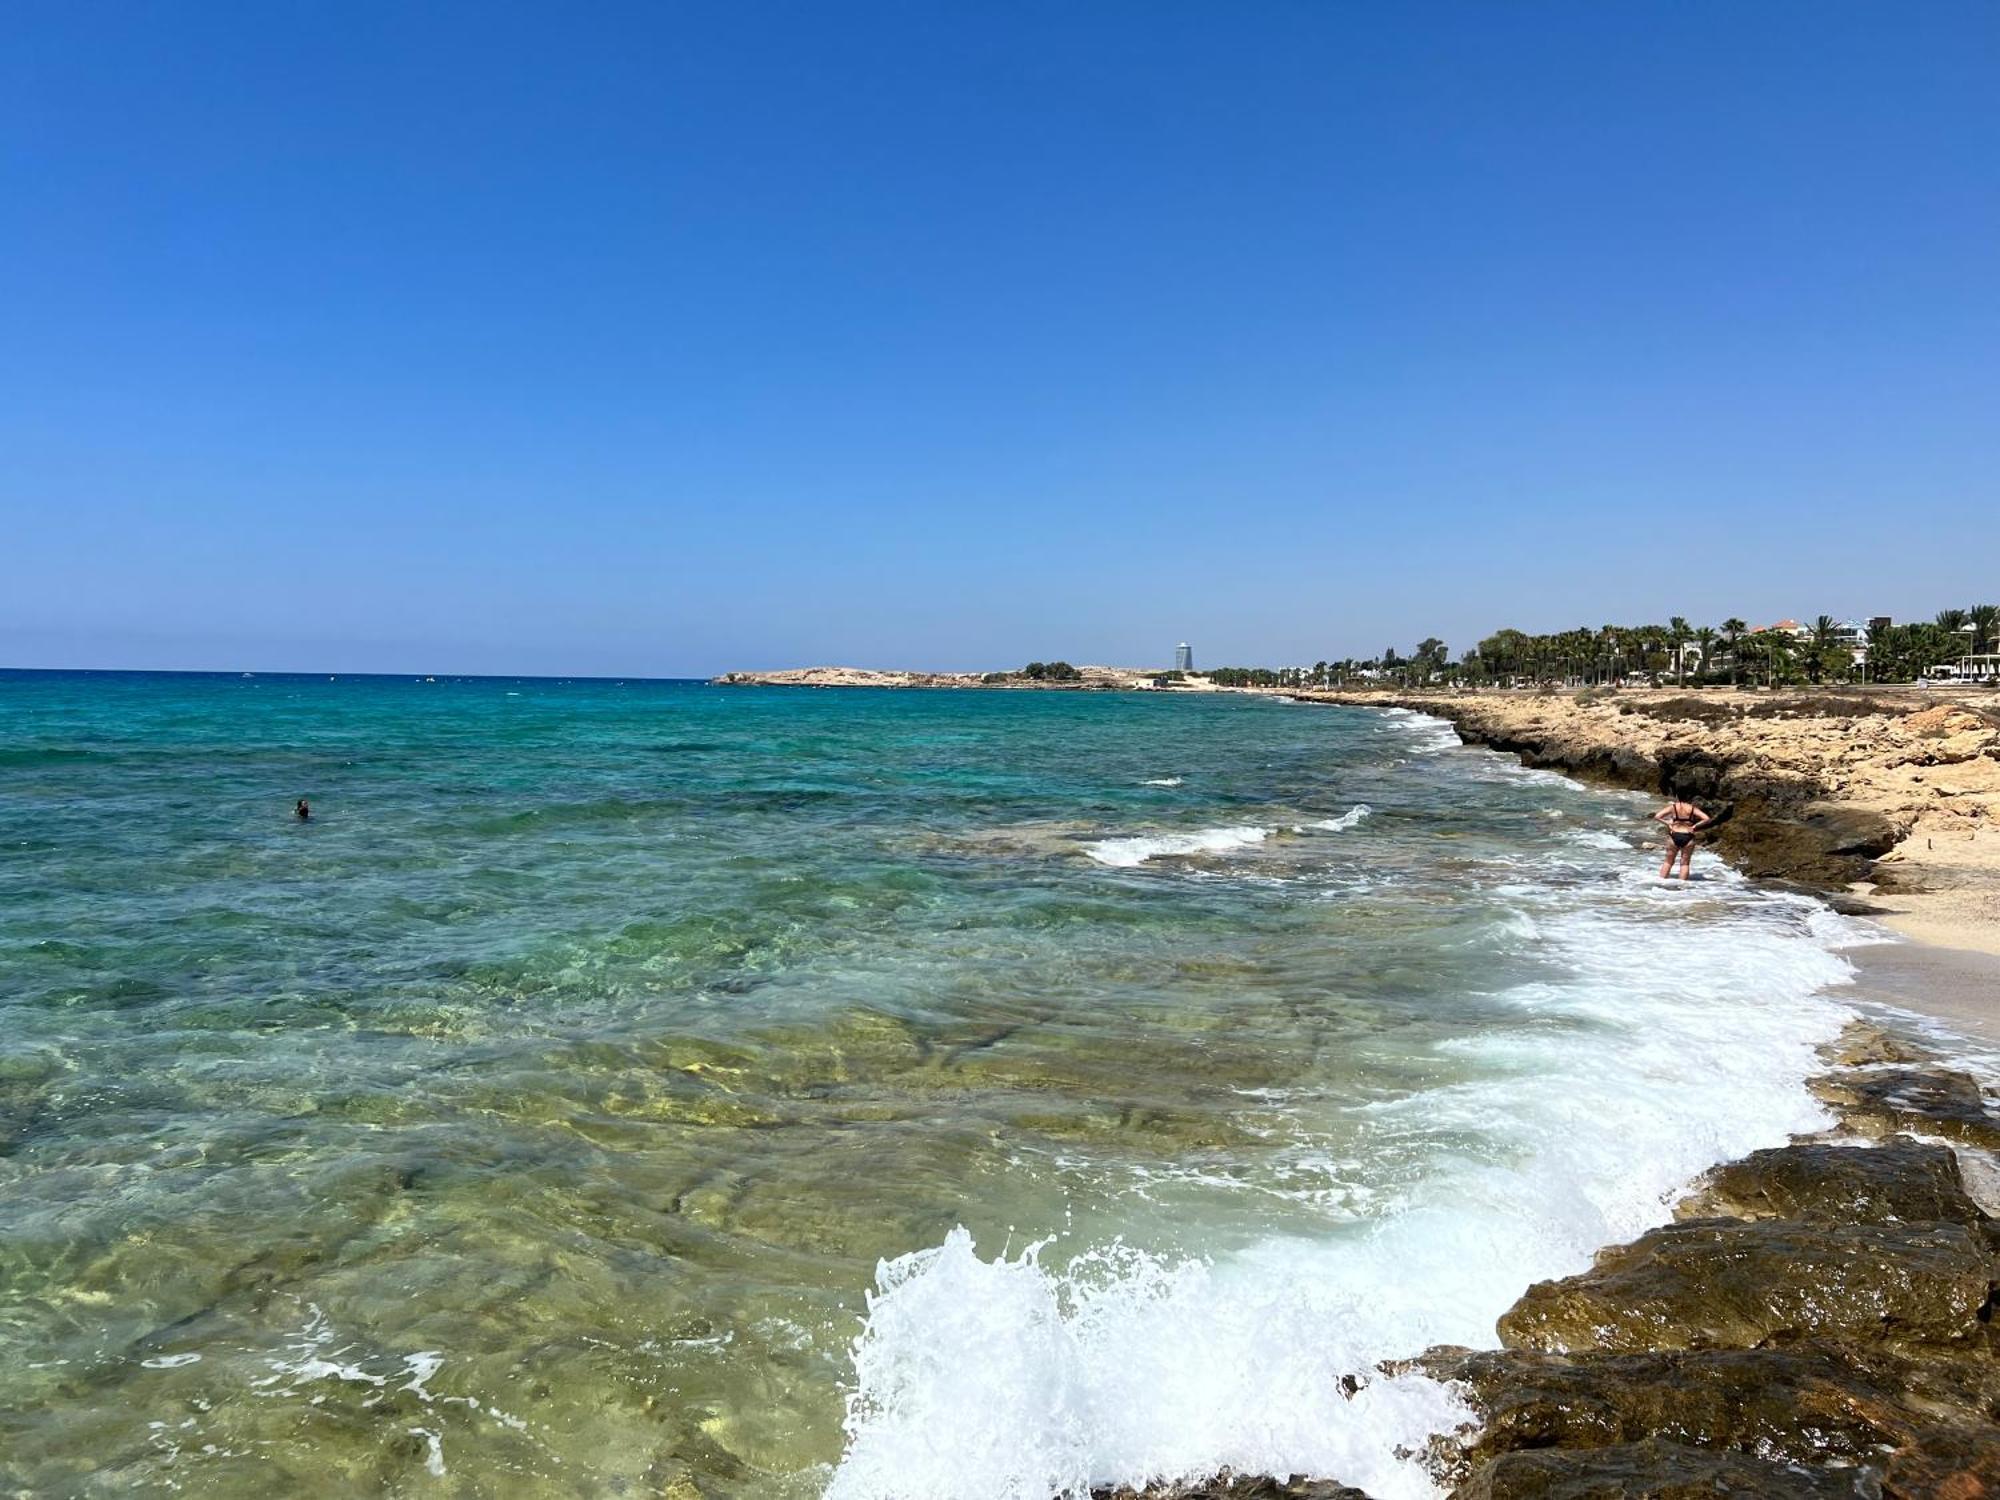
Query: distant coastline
1085, 679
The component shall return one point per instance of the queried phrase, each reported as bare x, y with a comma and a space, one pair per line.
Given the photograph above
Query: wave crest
1126, 853
1355, 814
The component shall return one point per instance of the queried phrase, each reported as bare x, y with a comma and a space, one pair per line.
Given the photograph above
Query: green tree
1777, 655
1732, 630
1882, 650
1820, 649
1430, 658
1051, 671
1985, 620
1678, 632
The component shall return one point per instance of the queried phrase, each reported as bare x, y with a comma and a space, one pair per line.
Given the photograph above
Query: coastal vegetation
1035, 671
1051, 671
1677, 653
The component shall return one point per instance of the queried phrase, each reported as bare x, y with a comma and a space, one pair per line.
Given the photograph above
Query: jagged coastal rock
1817, 1322
1732, 1284
1932, 1100
1903, 1181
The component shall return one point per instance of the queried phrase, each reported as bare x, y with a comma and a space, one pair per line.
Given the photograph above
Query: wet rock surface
1923, 1101
1812, 1403
1900, 1181
1257, 1488
1732, 1284
1819, 1321
1655, 1470
1860, 1044
1945, 1463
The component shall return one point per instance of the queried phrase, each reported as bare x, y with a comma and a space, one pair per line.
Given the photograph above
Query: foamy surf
1047, 1373
1427, 732
1127, 853
1349, 819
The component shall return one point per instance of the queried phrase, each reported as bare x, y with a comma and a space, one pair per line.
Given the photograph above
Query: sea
652, 1088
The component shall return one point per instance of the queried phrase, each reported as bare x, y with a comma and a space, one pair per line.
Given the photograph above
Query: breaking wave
1051, 1371
1128, 852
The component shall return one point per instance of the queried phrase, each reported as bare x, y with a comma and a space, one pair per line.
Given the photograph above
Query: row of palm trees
1676, 652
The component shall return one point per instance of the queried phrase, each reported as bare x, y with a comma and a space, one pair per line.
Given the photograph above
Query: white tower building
1183, 658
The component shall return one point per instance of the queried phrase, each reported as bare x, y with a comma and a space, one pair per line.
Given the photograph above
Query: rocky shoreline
1816, 1321
1891, 796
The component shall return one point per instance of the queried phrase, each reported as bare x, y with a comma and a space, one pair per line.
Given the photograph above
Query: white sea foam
1599, 838
1674, 1037
1346, 820
1427, 732
1162, 781
433, 1451
1129, 852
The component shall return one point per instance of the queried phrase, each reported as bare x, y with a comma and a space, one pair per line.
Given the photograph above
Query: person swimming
1683, 821
302, 812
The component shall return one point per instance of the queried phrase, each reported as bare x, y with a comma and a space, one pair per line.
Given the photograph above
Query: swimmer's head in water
301, 810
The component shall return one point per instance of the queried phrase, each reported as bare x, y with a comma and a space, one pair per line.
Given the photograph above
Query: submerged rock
1727, 1284
1860, 1044
1655, 1470
1926, 1101
1898, 1182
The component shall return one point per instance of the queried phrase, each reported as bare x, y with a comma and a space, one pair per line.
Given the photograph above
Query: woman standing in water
1683, 820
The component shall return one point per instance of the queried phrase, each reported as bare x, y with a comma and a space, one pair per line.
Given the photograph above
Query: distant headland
1056, 675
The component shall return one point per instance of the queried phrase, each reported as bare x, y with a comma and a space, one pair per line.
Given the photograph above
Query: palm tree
1704, 645
1777, 647
1952, 620
1881, 651
1733, 628
1677, 632
1608, 640
1822, 646
1985, 618
1930, 645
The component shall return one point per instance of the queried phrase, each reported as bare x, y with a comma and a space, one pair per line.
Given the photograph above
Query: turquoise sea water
533, 1121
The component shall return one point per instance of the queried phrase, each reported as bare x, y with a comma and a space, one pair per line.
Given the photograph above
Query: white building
1183, 658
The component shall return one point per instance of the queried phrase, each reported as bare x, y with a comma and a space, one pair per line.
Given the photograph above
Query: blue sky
669, 338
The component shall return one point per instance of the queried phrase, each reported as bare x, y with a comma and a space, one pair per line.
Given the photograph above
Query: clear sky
664, 338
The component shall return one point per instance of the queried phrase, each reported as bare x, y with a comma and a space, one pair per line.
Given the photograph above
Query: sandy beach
1956, 987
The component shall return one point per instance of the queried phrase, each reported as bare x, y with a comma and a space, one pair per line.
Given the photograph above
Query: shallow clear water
534, 1120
